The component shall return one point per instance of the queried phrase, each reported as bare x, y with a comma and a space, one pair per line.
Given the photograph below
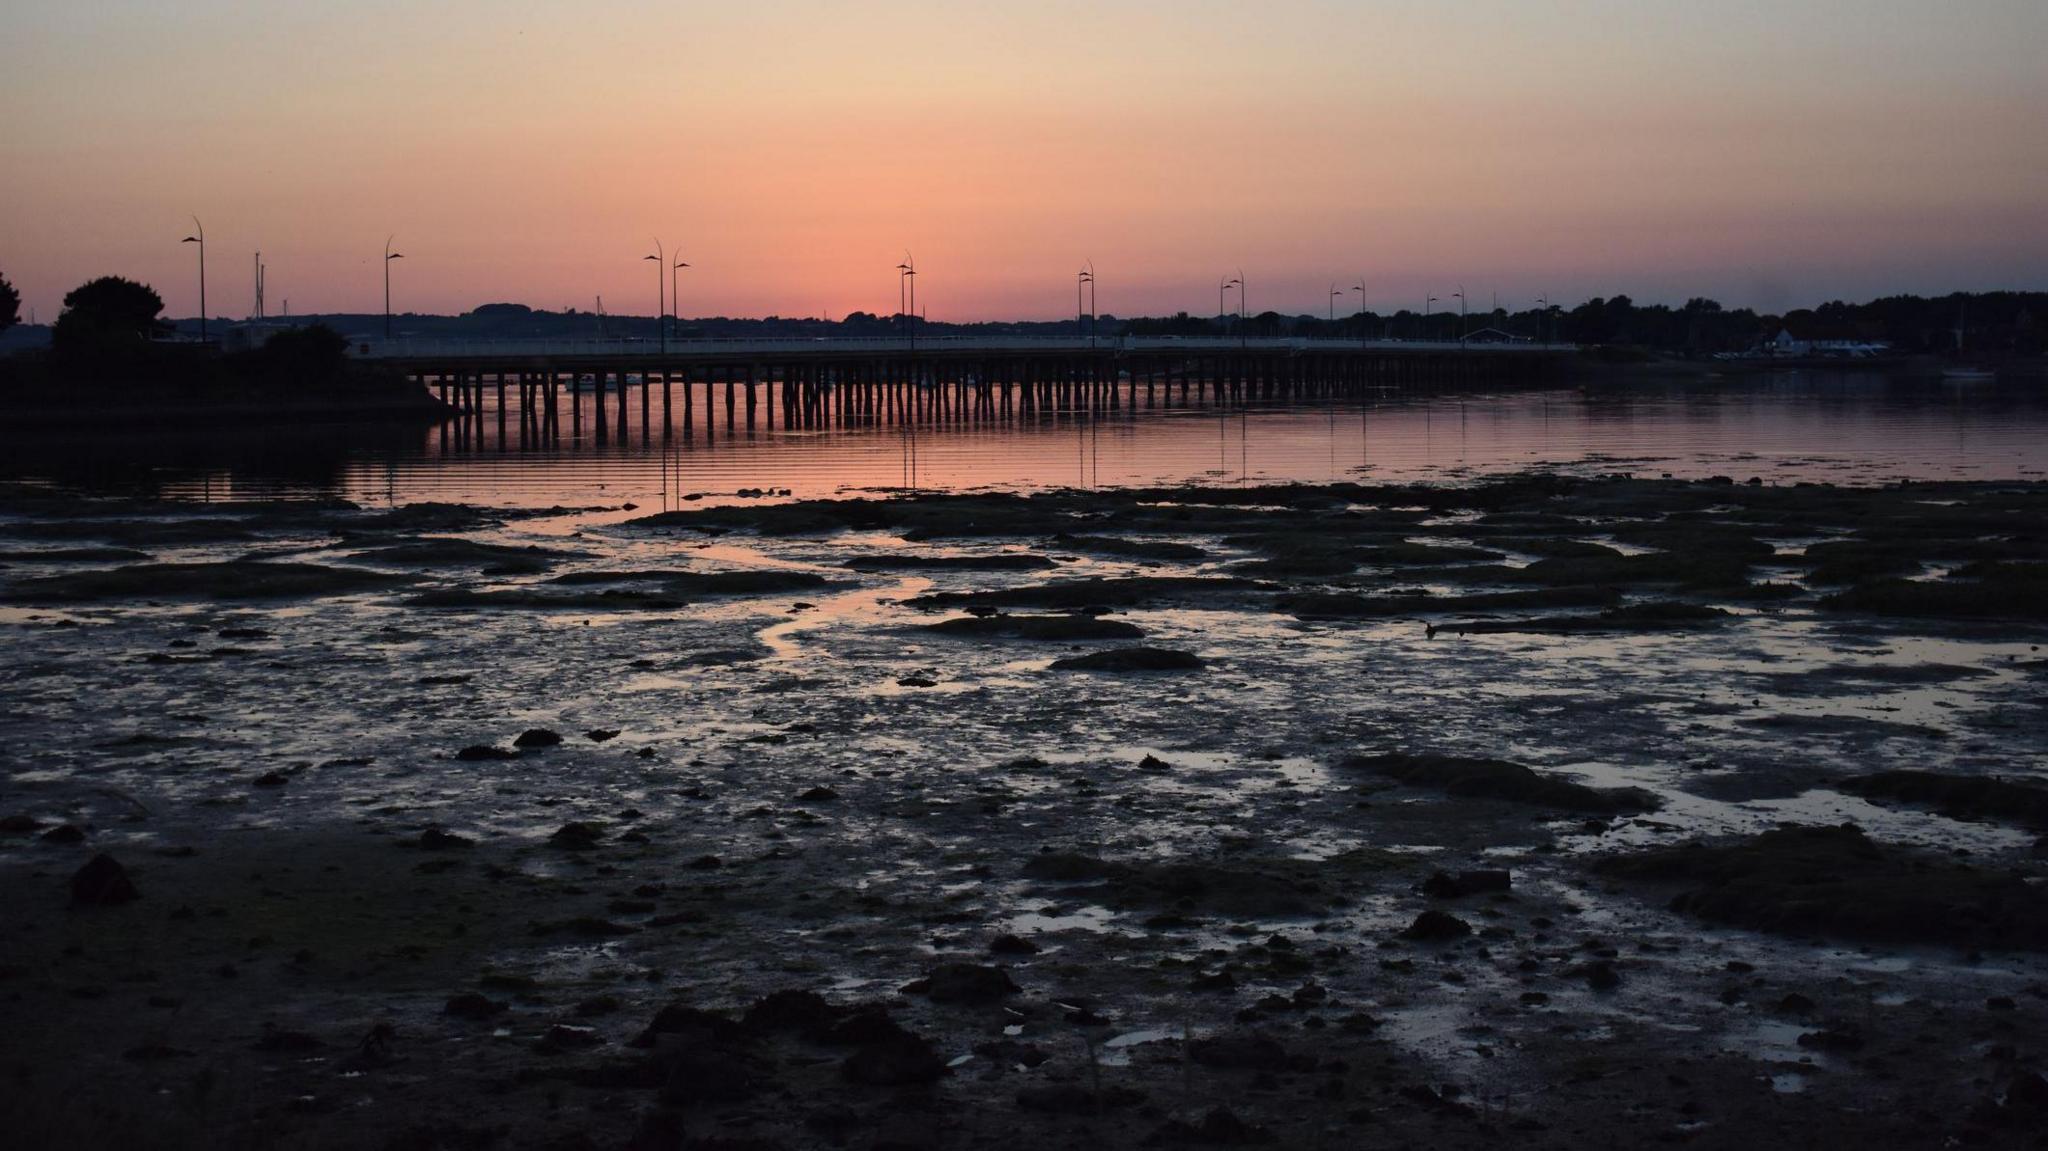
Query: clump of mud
1981, 591
1130, 591
1471, 778
230, 580
1957, 796
1340, 605
1131, 659
1271, 887
1656, 615
1037, 627
1837, 882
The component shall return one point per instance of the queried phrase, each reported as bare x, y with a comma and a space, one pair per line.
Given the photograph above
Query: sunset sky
1768, 154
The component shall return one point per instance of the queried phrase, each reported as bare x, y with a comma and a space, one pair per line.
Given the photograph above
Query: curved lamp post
1092, 315
389, 256
1084, 278
1242, 335
675, 306
902, 287
200, 239
660, 259
906, 273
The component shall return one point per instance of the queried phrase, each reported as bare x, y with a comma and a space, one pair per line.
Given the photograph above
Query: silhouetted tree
10, 305
106, 314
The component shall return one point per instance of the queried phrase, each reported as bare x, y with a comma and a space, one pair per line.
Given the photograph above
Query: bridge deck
567, 353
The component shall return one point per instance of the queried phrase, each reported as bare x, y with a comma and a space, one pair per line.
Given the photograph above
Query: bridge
840, 381
413, 349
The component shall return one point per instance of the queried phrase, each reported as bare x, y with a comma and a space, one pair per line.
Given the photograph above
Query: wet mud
1561, 812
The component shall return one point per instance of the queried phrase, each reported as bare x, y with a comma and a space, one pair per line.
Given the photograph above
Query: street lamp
1241, 334
1083, 278
902, 308
907, 274
1542, 314
660, 259
1460, 293
1223, 286
1359, 287
675, 305
1092, 315
1426, 302
1334, 293
200, 239
910, 275
389, 256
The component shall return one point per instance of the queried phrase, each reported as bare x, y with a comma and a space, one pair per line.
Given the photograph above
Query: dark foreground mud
1543, 813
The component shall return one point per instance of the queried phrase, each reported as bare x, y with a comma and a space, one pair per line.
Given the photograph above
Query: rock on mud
481, 752
964, 983
1456, 885
577, 836
103, 882
1437, 927
471, 1005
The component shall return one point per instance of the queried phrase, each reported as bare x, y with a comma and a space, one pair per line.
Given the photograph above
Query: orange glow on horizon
794, 151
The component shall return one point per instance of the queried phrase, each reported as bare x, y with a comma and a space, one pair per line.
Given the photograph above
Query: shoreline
424, 410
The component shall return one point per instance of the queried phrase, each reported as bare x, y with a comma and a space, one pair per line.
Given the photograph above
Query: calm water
1837, 428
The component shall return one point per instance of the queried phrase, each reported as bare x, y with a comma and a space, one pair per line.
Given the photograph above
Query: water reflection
1839, 428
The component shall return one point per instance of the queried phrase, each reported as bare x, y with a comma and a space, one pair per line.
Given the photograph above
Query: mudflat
1567, 812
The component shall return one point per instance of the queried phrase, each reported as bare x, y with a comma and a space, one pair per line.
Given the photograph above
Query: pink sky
794, 150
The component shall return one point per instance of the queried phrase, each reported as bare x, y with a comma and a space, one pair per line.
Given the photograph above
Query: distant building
24, 338
252, 334
1787, 343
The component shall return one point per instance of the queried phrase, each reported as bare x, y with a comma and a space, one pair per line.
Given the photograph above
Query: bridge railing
438, 348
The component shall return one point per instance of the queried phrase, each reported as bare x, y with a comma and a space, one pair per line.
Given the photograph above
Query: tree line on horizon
110, 318
2014, 323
